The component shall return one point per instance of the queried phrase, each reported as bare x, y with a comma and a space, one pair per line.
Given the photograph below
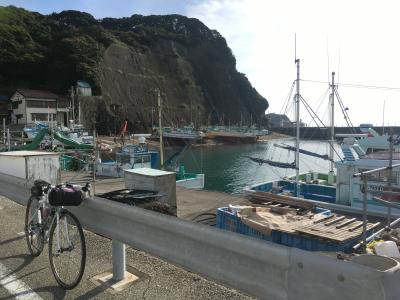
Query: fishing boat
139, 156
31, 130
297, 182
340, 189
130, 157
371, 141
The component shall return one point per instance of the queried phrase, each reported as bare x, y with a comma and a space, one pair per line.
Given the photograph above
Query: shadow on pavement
27, 260
12, 240
55, 290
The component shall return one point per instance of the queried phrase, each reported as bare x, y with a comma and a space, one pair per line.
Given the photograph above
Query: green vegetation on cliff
189, 62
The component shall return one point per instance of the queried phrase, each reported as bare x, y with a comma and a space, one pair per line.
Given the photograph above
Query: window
42, 117
40, 104
142, 159
381, 176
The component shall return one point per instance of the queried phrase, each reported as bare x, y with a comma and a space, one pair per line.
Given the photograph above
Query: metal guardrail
261, 269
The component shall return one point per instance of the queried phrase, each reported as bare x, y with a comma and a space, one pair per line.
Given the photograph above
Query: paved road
22, 277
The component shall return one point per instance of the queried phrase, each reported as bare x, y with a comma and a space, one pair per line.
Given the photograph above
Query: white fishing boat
341, 189
130, 157
371, 141
139, 156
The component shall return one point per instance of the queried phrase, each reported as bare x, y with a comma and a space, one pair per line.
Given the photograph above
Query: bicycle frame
53, 225
44, 204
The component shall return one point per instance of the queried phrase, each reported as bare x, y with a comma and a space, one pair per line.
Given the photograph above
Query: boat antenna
327, 55
338, 70
295, 48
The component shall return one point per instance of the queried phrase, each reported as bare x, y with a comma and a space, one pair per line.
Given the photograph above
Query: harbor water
226, 169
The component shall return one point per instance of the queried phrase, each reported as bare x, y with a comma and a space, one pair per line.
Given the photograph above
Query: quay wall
316, 133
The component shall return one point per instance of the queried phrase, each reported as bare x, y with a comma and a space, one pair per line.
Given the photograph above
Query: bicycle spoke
33, 227
68, 252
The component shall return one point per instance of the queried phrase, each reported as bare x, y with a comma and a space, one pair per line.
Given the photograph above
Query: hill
124, 60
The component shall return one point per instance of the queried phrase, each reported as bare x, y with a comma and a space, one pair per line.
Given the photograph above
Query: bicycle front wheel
67, 250
34, 231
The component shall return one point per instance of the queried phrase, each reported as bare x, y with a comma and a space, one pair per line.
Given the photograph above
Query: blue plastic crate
229, 221
314, 244
324, 211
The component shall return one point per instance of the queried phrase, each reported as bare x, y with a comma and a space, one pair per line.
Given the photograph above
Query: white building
29, 106
83, 88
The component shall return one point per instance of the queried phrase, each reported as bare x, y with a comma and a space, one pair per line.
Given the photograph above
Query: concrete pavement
157, 279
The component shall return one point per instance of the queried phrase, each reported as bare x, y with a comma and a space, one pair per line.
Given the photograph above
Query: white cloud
361, 35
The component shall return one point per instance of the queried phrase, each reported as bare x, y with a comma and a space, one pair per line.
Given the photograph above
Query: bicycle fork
70, 245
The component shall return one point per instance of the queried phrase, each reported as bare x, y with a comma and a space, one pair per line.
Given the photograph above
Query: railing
261, 269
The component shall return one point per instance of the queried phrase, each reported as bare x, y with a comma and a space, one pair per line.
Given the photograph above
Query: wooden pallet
336, 228
267, 198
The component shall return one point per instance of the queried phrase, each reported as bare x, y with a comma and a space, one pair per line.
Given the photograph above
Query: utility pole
160, 128
73, 104
79, 109
115, 121
191, 121
4, 131
96, 158
152, 118
8, 139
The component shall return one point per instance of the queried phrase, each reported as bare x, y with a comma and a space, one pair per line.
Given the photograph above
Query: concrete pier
190, 202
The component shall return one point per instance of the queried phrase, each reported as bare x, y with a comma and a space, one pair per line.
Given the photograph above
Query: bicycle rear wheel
34, 232
67, 250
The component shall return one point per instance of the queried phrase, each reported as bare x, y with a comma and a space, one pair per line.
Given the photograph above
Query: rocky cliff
125, 60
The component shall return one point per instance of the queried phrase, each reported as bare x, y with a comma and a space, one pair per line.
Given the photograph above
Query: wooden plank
325, 218
267, 196
346, 223
331, 233
356, 226
334, 221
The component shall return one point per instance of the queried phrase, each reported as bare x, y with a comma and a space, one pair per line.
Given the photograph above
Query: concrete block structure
153, 180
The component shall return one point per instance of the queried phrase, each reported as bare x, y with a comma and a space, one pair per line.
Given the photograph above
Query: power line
356, 85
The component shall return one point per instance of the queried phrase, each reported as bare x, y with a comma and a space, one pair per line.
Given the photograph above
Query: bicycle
46, 220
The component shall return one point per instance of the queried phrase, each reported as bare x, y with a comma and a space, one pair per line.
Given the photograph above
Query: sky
358, 40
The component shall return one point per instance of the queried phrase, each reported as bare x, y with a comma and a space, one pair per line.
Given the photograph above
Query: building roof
82, 84
37, 94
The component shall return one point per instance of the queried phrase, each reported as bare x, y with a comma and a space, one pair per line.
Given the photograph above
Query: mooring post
119, 260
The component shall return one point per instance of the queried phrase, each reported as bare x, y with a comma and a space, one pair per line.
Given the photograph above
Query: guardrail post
119, 260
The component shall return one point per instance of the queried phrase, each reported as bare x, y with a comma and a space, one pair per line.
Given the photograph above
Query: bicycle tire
74, 241
39, 235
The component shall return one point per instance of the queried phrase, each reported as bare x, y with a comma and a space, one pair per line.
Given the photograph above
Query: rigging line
344, 111
354, 85
312, 117
276, 172
333, 148
338, 69
288, 97
320, 100
312, 112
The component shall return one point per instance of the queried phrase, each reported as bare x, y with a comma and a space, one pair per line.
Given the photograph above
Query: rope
352, 85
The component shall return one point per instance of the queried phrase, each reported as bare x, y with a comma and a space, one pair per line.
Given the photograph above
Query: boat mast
332, 121
297, 105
